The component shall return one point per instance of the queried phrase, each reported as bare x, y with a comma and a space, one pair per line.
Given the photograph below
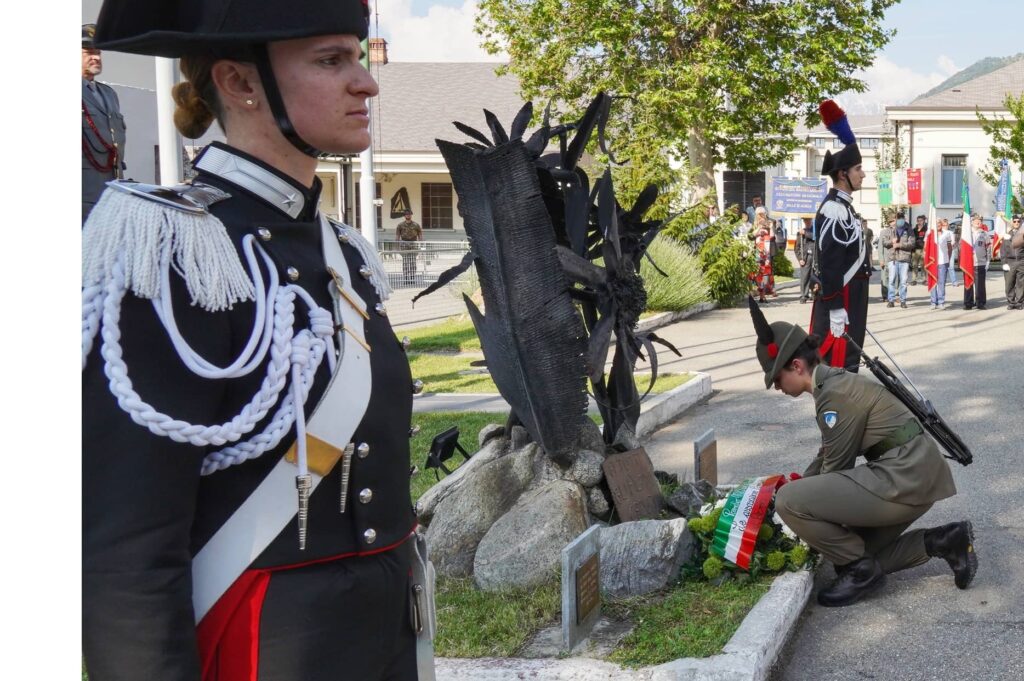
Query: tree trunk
702, 164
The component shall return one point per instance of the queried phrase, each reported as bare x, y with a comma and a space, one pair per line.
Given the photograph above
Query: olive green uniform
848, 512
408, 233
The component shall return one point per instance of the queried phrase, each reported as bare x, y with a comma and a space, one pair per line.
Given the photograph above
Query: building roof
419, 100
862, 126
986, 92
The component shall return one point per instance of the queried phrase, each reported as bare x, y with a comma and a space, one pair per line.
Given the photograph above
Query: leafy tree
1007, 142
708, 81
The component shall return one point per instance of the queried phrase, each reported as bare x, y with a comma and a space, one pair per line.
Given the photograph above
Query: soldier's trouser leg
805, 280
833, 513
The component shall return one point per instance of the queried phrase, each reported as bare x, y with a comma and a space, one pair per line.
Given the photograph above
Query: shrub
727, 263
684, 286
781, 265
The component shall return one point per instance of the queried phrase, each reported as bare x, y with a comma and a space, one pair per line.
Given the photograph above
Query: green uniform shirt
409, 231
853, 413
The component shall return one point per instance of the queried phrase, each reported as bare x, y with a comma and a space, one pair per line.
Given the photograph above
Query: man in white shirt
943, 250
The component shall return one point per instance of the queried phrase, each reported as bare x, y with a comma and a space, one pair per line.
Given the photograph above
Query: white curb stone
657, 410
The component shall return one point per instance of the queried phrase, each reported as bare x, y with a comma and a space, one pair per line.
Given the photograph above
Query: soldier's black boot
955, 543
855, 581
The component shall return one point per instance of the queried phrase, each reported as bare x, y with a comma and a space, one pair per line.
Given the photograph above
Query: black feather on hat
776, 342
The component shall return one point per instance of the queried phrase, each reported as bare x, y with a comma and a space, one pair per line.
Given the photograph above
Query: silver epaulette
192, 198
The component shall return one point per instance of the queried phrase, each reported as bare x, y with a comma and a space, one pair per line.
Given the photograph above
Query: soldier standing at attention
856, 515
843, 258
408, 234
245, 456
804, 251
103, 129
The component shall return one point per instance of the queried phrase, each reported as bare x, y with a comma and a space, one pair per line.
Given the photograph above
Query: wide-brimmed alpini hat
174, 28
835, 120
776, 342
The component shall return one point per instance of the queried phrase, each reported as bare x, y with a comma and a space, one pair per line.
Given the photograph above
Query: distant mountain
975, 70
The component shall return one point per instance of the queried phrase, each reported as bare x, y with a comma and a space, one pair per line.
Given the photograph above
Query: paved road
920, 626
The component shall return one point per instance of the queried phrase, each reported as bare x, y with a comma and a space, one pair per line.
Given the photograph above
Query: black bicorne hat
174, 28
88, 34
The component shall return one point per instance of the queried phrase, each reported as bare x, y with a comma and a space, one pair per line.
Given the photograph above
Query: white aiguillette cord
271, 506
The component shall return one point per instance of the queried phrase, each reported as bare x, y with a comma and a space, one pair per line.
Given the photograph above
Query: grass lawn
456, 334
453, 374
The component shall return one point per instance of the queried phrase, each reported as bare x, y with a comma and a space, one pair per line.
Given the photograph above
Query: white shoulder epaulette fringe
144, 234
835, 211
369, 254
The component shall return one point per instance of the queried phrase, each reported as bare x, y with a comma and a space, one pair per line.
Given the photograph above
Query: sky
934, 40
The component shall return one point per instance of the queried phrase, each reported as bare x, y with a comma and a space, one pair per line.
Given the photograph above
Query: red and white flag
966, 238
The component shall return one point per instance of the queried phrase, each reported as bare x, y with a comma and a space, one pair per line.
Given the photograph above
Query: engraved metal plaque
634, 488
588, 587
705, 458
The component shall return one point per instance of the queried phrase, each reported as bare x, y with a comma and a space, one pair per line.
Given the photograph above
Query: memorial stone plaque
581, 587
634, 488
705, 458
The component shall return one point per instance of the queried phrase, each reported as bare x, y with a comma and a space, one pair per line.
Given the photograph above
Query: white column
367, 188
167, 137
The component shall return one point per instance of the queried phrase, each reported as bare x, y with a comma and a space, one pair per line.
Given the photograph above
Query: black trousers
976, 294
1013, 281
856, 310
805, 280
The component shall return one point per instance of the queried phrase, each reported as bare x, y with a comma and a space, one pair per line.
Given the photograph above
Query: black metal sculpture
535, 228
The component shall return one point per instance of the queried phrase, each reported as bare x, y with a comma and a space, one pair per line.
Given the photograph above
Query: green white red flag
744, 511
931, 248
966, 237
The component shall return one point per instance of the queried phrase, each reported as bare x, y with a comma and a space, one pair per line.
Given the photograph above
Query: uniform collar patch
830, 418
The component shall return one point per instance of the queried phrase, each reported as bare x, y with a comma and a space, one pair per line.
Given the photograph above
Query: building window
819, 161
837, 143
820, 142
379, 211
953, 168
437, 205
868, 142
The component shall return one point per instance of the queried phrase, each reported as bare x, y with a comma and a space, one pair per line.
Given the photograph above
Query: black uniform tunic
840, 250
147, 511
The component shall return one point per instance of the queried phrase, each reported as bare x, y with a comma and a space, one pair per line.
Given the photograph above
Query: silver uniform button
406, 342
381, 310
365, 271
370, 536
365, 496
264, 233
363, 450
342, 237
414, 431
417, 387
292, 273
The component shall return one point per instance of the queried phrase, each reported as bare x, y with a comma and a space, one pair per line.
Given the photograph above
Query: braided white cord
181, 431
92, 309
262, 325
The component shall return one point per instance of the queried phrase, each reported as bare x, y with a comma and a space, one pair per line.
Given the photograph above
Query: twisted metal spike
346, 469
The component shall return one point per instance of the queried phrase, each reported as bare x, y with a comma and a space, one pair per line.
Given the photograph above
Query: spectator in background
103, 129
943, 251
982, 241
803, 248
745, 227
755, 203
763, 276
1013, 265
902, 249
884, 256
917, 257
408, 233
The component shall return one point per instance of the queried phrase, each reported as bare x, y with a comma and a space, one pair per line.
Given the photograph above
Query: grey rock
524, 547
688, 499
643, 556
464, 516
706, 490
665, 478
426, 504
586, 469
590, 437
544, 469
597, 502
489, 431
626, 438
520, 437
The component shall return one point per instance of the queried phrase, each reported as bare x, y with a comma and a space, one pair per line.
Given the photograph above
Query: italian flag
742, 515
966, 237
931, 247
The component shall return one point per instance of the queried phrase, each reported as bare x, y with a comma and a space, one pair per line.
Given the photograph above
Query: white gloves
837, 321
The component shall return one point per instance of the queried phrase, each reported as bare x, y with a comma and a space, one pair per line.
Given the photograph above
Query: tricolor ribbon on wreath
744, 511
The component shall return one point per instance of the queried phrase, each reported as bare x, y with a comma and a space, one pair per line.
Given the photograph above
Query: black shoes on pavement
903, 304
954, 543
890, 304
854, 582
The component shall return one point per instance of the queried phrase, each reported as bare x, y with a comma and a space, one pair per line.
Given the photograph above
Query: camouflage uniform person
408, 233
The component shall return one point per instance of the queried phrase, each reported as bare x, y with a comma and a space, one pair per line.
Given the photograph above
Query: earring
250, 102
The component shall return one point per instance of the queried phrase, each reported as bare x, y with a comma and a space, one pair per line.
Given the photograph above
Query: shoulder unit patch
830, 418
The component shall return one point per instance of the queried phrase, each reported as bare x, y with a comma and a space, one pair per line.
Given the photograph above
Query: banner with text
901, 187
796, 197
